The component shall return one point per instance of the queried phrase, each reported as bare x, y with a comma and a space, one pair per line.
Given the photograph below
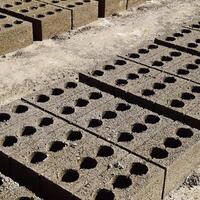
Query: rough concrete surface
26, 70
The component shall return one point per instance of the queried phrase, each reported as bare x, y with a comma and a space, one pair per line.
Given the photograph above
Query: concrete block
14, 33
183, 39
132, 3
69, 103
82, 12
110, 7
12, 190
131, 178
47, 20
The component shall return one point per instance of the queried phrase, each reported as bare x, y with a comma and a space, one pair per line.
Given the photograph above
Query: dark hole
143, 51
186, 31
187, 96
159, 153
46, 121
166, 58
20, 109
143, 71
120, 62
125, 137
152, 46
104, 194
169, 79
122, 182
121, 82
184, 133
1, 181
88, 163
94, 123
71, 85
97, 73
105, 151
95, 95
4, 117
195, 26
178, 35
133, 55
82, 102
42, 98
182, 72
57, 146
57, 91
139, 169
148, 92
197, 61
139, 128
192, 66
9, 141
28, 130
67, 110
159, 86
196, 89
38, 157
170, 39
175, 53
123, 107
74, 135
172, 143
70, 176
177, 103
152, 119
109, 67
132, 76
109, 115
26, 198
192, 45
157, 63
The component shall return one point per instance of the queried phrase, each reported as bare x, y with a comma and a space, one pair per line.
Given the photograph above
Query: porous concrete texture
47, 20
184, 39
131, 3
13, 191
82, 11
69, 100
14, 33
110, 7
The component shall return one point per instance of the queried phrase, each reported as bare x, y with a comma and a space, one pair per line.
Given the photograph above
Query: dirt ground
44, 63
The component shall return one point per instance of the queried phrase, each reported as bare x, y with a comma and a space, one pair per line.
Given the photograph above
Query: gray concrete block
14, 33
183, 39
82, 12
47, 20
130, 178
12, 190
110, 7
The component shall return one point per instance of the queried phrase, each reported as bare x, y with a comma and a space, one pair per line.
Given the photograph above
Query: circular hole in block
88, 163
70, 176
170, 39
20, 109
166, 58
109, 67
70, 85
81, 102
157, 63
105, 151
123, 107
143, 71
94, 123
152, 46
133, 55
152, 119
121, 82
26, 198
177, 103
184, 133
139, 128
97, 73
9, 141
192, 45
125, 137
4, 117
172, 143
95, 95
196, 89
42, 98
143, 51
67, 110
192, 66
57, 92
120, 62
182, 72
109, 115
159, 153
159, 86
74, 135
28, 130
187, 96
38, 157
132, 76
122, 182
104, 194
169, 79
57, 146
175, 53
139, 169
148, 92
46, 121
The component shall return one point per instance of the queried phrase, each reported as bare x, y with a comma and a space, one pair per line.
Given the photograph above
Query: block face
109, 7
132, 3
183, 39
83, 12
14, 33
11, 190
69, 100
47, 20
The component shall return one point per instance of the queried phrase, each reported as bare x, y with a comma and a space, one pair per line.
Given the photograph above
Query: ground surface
46, 62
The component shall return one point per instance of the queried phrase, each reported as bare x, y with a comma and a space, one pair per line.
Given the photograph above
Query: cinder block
183, 39
47, 20
82, 12
14, 33
109, 7
132, 3
135, 179
69, 103
151, 89
12, 190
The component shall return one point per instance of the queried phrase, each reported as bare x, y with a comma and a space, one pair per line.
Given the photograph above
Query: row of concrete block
23, 21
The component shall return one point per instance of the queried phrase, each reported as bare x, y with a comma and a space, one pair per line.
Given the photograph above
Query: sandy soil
46, 62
